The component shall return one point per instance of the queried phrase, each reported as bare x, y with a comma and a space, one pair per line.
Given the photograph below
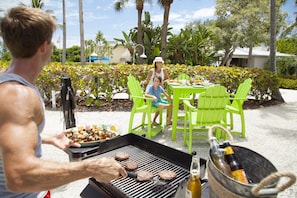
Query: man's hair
24, 29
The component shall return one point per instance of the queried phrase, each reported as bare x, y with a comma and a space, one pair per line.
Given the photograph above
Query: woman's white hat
158, 59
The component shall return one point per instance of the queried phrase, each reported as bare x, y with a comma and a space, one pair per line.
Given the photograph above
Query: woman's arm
147, 80
166, 76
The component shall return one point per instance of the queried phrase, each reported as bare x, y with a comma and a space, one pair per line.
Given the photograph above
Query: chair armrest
141, 97
189, 106
239, 98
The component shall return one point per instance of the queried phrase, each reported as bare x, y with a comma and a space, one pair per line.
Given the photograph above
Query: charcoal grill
150, 156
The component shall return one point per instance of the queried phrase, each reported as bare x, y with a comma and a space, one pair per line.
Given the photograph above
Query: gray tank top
4, 193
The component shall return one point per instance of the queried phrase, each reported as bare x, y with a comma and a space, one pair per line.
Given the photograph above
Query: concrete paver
270, 131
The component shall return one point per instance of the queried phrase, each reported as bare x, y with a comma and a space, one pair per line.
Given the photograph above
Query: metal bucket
260, 171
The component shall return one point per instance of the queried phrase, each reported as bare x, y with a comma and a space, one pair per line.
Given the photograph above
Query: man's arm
24, 172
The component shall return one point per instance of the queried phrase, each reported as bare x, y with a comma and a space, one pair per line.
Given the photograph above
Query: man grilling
27, 33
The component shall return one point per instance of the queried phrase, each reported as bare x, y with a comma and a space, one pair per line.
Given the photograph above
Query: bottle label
188, 193
239, 175
229, 150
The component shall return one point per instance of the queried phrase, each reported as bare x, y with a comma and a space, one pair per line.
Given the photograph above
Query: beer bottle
237, 170
194, 189
217, 156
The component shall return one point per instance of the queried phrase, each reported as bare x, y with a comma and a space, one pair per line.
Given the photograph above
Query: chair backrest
183, 76
211, 105
242, 92
135, 91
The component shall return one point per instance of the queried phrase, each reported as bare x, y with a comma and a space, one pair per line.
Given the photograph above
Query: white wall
120, 55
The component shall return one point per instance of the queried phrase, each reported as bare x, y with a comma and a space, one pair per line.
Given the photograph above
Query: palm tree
64, 33
276, 94
119, 6
291, 27
166, 5
101, 42
40, 4
89, 47
81, 27
37, 3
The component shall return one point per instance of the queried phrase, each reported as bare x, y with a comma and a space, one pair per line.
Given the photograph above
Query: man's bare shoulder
16, 95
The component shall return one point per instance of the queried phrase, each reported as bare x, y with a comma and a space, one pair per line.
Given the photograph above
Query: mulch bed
126, 105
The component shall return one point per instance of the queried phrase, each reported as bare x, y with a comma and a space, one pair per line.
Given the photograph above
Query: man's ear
43, 46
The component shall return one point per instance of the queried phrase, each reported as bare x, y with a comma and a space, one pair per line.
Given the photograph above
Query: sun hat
158, 59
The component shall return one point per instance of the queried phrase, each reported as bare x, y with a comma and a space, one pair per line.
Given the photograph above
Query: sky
100, 15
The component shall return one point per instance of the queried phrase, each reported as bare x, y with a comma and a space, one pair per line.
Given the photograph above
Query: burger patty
144, 175
167, 175
122, 155
131, 165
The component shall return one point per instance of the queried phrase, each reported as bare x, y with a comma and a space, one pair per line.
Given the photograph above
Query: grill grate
146, 161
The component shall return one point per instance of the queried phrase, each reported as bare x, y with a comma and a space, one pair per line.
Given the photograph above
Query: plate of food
88, 136
174, 83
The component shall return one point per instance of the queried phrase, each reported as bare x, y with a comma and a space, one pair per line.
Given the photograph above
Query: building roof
257, 51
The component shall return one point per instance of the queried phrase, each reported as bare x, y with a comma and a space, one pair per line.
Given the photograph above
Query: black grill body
150, 156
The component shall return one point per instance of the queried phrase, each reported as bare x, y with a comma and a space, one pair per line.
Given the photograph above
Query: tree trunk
64, 34
165, 29
139, 33
250, 57
276, 94
82, 39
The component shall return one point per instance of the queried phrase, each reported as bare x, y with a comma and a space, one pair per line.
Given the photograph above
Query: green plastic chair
142, 105
236, 105
210, 111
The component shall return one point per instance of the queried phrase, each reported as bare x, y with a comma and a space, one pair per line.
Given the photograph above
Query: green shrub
95, 82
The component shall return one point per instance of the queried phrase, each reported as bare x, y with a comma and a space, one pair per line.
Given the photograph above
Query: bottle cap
212, 138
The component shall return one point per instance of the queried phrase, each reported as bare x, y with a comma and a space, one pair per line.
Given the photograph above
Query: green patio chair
236, 105
142, 105
210, 111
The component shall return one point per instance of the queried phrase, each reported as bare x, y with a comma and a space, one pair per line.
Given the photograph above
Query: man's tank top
4, 193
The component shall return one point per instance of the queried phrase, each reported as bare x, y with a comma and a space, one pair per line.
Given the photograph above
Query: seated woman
154, 91
158, 70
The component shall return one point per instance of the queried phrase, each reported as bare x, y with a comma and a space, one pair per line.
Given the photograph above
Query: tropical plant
287, 45
151, 38
120, 4
193, 46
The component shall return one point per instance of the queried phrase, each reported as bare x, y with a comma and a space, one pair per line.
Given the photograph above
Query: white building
260, 56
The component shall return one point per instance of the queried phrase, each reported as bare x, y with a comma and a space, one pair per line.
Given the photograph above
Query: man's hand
105, 169
59, 140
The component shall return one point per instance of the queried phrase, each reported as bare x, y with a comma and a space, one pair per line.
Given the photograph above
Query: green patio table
177, 90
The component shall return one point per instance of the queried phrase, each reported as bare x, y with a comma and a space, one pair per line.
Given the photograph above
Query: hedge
95, 82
